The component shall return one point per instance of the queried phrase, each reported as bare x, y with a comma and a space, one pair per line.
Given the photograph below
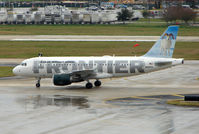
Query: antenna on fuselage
40, 54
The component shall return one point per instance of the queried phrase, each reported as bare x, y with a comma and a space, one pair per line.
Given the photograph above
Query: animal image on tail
164, 47
166, 43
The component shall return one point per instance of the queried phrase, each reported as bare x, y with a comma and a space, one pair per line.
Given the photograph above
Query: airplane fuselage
66, 70
104, 67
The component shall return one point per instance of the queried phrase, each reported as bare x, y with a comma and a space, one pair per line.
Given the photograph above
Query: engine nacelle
62, 79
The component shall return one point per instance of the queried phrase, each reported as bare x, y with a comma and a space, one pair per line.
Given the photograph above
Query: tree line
169, 15
172, 14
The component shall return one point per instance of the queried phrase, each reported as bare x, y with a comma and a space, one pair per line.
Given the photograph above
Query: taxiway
90, 38
128, 105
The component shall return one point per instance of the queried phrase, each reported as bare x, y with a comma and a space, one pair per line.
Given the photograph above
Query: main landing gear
90, 85
38, 82
97, 83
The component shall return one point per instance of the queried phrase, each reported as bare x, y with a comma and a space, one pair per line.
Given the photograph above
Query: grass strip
6, 71
135, 29
28, 49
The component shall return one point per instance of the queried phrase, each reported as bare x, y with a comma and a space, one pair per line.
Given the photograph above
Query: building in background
84, 3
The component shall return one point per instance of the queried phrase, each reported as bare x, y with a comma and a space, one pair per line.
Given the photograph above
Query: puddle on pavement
38, 101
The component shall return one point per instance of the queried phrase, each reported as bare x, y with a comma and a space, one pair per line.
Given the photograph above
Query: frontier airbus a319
67, 70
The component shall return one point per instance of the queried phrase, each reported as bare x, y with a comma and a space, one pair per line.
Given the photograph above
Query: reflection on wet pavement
38, 101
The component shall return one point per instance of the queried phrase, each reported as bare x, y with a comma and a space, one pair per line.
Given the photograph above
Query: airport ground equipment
48, 19
107, 17
29, 18
76, 17
56, 15
57, 18
3, 17
20, 18
11, 18
191, 98
38, 18
86, 18
66, 18
95, 18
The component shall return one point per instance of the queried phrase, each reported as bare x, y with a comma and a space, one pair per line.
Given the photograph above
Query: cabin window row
88, 64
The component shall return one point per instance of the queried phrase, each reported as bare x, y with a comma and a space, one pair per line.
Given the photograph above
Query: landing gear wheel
38, 85
97, 83
89, 85
38, 82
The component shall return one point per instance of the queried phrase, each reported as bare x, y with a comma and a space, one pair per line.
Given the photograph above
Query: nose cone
16, 70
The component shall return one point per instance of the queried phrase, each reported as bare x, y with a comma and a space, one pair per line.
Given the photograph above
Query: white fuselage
104, 67
67, 70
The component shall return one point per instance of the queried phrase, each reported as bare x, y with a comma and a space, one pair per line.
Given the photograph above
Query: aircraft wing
86, 74
83, 73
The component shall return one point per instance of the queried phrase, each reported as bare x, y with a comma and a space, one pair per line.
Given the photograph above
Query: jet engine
62, 79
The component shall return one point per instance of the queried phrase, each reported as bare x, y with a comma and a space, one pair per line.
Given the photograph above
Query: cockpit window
24, 64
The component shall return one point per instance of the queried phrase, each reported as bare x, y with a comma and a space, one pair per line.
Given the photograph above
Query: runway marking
177, 95
82, 40
113, 99
138, 97
91, 38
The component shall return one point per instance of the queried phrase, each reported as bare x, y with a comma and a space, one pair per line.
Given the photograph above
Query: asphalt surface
128, 105
90, 38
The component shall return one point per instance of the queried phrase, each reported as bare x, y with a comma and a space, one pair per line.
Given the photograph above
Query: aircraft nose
16, 70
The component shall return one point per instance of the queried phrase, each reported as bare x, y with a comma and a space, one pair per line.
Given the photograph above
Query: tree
124, 15
172, 14
179, 13
146, 15
188, 14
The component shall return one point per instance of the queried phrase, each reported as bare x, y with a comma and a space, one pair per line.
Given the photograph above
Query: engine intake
62, 79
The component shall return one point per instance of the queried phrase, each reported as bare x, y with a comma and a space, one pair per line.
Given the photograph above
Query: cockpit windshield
23, 64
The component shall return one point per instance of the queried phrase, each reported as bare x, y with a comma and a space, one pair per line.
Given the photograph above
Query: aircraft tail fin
164, 47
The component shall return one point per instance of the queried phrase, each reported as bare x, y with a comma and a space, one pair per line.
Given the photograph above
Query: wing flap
83, 73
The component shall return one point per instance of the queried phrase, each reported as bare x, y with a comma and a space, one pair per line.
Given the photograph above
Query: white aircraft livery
67, 70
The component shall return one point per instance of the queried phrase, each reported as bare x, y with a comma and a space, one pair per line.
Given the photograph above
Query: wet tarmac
128, 105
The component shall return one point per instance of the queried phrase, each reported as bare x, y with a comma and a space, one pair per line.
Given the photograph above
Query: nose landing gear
38, 83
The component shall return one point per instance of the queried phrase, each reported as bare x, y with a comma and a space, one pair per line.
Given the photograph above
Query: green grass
6, 71
161, 20
151, 20
20, 49
126, 29
22, 0
183, 103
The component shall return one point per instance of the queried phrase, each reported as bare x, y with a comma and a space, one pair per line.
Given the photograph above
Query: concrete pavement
90, 38
73, 109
